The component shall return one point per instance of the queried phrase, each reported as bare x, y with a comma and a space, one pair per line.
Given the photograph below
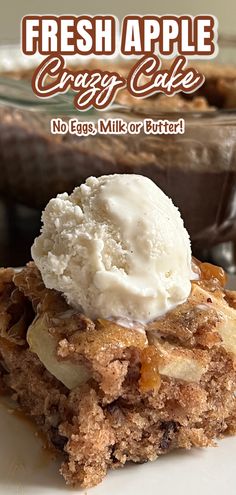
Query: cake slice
107, 392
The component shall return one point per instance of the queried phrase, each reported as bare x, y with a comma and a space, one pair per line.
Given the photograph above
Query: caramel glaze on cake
169, 385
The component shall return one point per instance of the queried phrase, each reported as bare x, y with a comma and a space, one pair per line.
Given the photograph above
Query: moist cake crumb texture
169, 386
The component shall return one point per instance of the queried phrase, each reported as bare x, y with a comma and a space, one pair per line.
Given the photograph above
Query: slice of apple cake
108, 392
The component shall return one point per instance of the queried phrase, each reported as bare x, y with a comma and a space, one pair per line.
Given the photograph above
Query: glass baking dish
196, 169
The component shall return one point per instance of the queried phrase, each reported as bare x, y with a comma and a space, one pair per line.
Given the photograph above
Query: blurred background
12, 10
20, 215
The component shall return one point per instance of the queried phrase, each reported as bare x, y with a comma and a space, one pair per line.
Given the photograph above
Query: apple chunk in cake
105, 393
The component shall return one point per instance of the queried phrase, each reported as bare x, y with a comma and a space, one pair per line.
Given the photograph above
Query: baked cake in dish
168, 385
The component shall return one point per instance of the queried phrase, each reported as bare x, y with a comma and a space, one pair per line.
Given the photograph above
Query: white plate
26, 469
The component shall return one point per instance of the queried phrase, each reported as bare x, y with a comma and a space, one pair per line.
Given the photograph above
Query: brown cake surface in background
218, 89
201, 163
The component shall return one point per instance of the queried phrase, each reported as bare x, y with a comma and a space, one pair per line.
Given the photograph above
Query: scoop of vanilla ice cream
116, 247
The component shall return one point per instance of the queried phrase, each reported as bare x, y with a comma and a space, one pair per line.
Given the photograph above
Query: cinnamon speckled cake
126, 393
